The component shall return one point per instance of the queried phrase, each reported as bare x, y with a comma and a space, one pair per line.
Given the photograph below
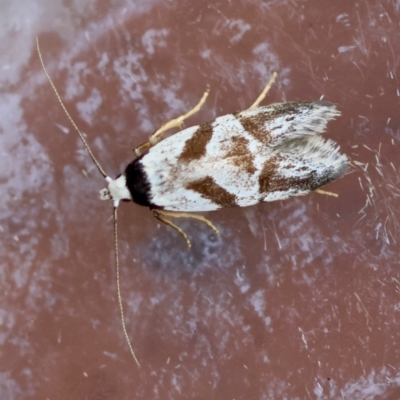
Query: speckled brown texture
209, 189
195, 147
270, 180
240, 156
255, 126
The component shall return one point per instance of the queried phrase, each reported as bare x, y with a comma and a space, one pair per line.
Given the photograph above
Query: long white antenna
117, 277
115, 208
67, 113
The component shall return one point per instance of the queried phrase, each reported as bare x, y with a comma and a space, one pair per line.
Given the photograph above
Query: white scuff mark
343, 19
367, 314
131, 73
318, 390
344, 49
361, 43
205, 54
303, 338
241, 280
377, 229
252, 219
266, 61
153, 38
265, 237
369, 386
360, 182
88, 108
74, 86
258, 302
240, 27
104, 60
276, 236
62, 128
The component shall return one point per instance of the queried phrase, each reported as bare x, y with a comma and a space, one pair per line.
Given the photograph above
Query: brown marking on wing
209, 189
268, 171
240, 155
256, 126
270, 181
195, 147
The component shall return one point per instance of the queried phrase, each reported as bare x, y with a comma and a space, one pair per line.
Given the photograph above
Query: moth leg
193, 216
320, 191
173, 123
261, 97
168, 222
160, 214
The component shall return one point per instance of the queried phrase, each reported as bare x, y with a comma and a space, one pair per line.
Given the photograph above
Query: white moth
261, 154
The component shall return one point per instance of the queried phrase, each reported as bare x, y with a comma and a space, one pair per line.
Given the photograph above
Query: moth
264, 153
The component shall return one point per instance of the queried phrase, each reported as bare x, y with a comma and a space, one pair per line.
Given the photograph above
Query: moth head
116, 191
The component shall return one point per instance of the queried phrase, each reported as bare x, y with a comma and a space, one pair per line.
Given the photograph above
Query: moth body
262, 154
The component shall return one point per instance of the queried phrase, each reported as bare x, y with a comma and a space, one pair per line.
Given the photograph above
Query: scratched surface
297, 299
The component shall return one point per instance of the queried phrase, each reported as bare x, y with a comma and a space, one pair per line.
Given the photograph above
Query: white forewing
264, 154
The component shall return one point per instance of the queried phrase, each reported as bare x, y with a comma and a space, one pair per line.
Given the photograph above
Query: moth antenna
67, 113
115, 208
121, 308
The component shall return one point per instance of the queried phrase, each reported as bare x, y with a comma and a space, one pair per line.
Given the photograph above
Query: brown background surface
297, 300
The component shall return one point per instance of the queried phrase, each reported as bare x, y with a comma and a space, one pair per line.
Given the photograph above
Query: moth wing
264, 154
299, 167
276, 124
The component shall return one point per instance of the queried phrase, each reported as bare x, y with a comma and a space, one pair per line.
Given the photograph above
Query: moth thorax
116, 191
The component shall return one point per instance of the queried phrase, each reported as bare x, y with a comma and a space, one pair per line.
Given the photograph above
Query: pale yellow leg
320, 191
160, 214
168, 222
261, 97
192, 216
173, 123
